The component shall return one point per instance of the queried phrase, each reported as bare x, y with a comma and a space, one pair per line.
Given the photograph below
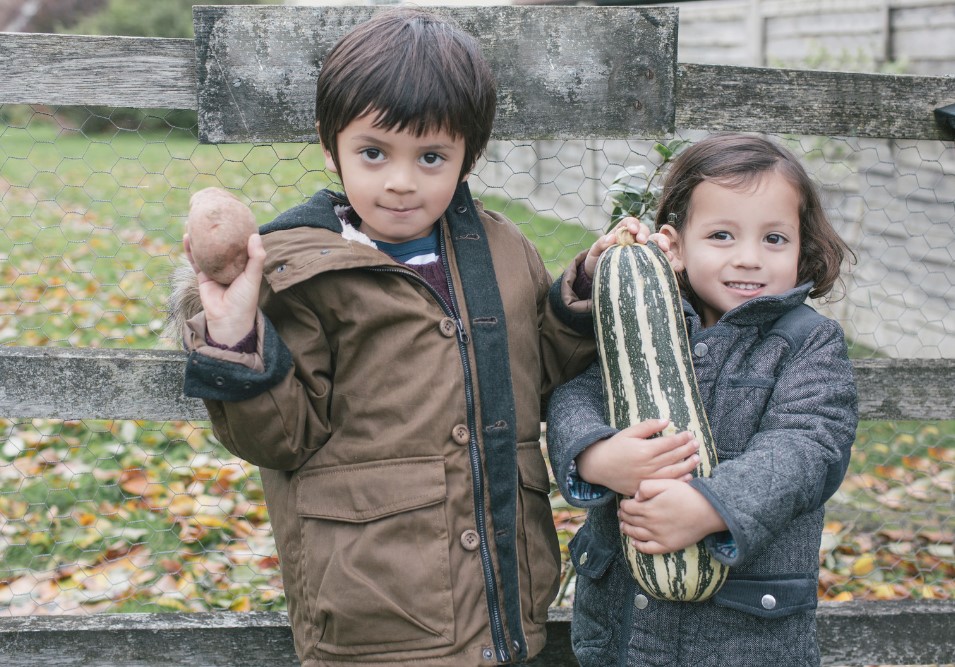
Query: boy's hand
624, 460
667, 515
230, 309
640, 232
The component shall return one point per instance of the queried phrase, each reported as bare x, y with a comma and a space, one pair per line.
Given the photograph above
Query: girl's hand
663, 242
667, 515
639, 230
624, 460
230, 309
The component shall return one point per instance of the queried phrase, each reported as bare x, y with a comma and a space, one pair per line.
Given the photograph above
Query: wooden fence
564, 72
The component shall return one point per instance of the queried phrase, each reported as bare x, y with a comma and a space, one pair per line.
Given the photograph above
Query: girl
749, 241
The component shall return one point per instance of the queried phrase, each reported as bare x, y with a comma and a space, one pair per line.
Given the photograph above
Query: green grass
139, 516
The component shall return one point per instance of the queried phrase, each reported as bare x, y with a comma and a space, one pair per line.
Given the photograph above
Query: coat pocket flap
533, 470
590, 555
368, 491
769, 596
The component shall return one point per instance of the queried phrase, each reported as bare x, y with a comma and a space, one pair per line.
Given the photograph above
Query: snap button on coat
461, 434
768, 602
641, 601
700, 349
470, 540
448, 329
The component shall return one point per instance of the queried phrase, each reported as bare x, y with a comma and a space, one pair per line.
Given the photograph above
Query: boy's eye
372, 154
776, 239
431, 159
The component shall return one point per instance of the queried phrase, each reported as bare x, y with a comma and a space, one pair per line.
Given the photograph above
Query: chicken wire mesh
122, 516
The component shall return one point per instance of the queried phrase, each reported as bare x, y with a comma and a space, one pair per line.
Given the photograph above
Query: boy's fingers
256, 254
187, 247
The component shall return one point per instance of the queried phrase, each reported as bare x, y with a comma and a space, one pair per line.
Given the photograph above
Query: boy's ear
676, 249
329, 160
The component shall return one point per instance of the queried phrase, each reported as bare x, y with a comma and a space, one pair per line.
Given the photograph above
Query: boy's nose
400, 180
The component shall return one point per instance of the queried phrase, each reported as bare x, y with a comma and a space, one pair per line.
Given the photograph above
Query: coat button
583, 558
470, 540
641, 601
487, 654
461, 434
448, 329
768, 602
700, 349
220, 381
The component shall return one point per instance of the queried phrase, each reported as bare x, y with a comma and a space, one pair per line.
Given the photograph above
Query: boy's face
398, 184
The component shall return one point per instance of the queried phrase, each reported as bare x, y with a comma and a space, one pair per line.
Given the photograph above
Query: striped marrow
648, 374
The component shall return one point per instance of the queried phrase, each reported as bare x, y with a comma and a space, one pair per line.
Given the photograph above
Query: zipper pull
462, 334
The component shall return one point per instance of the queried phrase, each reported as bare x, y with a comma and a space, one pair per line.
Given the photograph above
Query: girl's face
737, 245
399, 184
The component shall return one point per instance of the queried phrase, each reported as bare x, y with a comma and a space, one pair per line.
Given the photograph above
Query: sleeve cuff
226, 375
571, 309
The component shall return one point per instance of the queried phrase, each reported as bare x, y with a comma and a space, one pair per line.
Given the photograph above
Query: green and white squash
648, 374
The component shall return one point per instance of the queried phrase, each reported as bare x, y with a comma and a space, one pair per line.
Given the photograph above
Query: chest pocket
741, 400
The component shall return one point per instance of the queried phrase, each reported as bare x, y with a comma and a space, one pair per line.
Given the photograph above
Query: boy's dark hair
417, 71
738, 161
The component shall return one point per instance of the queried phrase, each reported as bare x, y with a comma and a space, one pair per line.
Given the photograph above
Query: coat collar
760, 312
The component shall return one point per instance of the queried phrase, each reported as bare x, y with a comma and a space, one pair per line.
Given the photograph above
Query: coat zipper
490, 582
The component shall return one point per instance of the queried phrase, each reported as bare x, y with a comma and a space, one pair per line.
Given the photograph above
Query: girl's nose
748, 256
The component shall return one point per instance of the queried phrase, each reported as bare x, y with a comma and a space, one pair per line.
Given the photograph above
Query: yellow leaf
241, 604
884, 592
844, 596
182, 505
863, 565
209, 521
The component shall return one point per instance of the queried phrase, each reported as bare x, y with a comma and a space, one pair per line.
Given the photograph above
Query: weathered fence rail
622, 80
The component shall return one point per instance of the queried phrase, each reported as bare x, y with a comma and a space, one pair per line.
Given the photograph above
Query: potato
219, 227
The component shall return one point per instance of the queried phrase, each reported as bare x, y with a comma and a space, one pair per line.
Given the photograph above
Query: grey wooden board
139, 72
148, 73
562, 72
788, 101
88, 383
851, 633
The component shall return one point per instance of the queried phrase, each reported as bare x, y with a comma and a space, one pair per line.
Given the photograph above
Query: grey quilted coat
780, 397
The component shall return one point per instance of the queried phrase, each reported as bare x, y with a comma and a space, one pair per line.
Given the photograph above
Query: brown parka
398, 436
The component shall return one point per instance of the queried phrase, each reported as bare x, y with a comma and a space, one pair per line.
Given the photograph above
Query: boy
384, 363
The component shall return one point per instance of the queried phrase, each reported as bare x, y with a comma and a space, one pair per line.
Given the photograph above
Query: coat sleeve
575, 420
564, 324
798, 455
270, 407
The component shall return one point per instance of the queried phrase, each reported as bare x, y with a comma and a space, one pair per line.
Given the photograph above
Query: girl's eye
776, 239
372, 154
431, 159
721, 236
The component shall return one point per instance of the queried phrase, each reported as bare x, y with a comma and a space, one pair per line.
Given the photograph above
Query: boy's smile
399, 184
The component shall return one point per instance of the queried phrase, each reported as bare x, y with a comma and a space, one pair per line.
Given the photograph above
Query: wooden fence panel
561, 72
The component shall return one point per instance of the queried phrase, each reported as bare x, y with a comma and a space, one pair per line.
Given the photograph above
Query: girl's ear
676, 248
